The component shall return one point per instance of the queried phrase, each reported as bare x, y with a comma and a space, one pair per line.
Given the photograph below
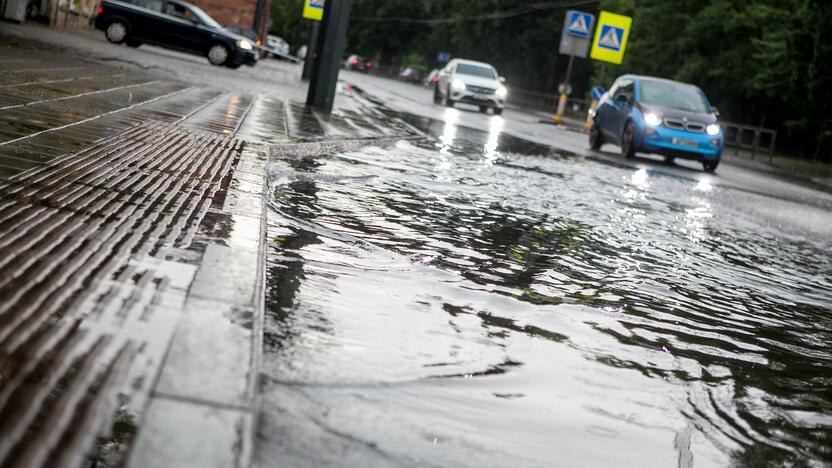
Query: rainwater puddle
474, 300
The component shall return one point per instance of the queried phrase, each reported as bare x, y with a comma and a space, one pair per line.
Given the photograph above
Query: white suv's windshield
475, 70
673, 96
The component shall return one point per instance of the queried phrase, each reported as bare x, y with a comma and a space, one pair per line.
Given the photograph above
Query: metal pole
259, 20
333, 36
569, 69
311, 48
820, 139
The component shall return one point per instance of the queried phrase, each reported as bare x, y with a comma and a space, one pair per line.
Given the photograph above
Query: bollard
561, 108
590, 114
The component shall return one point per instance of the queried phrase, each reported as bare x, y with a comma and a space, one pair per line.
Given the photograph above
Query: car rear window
674, 96
475, 70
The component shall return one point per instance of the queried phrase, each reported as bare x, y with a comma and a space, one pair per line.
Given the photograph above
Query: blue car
653, 115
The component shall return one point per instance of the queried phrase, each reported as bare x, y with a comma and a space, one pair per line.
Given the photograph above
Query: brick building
247, 14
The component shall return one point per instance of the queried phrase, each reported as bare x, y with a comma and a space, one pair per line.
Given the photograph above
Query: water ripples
510, 302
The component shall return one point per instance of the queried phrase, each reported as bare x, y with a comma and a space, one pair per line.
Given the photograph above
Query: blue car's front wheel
628, 140
710, 166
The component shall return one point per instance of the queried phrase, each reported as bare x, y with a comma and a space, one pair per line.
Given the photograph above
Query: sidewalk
818, 174
569, 123
132, 251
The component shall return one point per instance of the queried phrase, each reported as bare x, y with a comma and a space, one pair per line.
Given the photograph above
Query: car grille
481, 90
676, 124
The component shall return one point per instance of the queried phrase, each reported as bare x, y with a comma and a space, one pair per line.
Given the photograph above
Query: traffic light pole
327, 60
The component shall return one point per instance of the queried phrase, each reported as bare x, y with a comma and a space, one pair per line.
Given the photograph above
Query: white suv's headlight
712, 129
501, 92
652, 119
458, 85
245, 44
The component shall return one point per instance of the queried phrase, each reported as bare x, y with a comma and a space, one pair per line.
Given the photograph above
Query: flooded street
470, 299
199, 270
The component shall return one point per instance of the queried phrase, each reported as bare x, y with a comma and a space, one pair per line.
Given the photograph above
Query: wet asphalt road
472, 299
413, 99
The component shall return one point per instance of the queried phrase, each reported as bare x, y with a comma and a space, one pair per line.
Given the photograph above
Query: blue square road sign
579, 24
611, 37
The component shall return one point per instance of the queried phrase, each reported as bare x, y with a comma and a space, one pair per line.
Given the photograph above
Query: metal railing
756, 139
575, 108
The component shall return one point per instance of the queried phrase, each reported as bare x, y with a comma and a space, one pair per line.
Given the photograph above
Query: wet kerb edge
202, 412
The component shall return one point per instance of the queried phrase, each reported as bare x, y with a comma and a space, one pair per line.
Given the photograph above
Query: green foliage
522, 47
287, 22
415, 60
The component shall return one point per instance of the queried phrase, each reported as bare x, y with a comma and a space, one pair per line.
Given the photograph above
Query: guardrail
575, 108
756, 139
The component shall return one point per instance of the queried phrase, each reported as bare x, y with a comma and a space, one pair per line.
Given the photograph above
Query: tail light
100, 10
369, 64
354, 61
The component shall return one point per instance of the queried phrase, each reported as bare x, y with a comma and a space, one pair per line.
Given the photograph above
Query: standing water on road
474, 300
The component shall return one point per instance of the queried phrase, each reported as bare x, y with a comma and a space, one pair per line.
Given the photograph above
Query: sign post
312, 10
574, 41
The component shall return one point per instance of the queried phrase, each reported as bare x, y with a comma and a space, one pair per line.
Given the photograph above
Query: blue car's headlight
652, 119
712, 129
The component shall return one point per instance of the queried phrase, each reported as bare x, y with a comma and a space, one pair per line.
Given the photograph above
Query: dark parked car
359, 63
412, 75
249, 34
176, 25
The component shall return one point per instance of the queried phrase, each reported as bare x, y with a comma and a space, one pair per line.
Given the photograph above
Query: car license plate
684, 142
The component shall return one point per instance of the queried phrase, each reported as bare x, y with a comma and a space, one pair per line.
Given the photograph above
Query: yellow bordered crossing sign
313, 9
611, 36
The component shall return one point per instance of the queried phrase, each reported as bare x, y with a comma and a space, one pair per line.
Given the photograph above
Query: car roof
181, 2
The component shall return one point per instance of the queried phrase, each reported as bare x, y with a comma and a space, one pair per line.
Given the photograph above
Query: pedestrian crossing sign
313, 9
579, 24
611, 37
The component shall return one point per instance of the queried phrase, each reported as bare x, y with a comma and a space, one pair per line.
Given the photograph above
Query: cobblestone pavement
131, 253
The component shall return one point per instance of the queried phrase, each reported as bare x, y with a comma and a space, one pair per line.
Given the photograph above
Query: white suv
471, 82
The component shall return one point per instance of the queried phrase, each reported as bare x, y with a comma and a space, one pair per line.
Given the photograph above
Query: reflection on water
476, 301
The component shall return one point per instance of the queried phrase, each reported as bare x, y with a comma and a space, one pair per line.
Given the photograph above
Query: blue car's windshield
674, 96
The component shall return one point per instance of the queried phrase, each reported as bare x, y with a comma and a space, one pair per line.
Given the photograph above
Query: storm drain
97, 252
